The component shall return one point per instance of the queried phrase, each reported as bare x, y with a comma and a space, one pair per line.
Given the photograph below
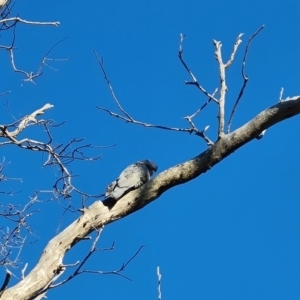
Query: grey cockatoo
131, 178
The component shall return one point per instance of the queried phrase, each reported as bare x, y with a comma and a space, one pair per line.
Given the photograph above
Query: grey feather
131, 178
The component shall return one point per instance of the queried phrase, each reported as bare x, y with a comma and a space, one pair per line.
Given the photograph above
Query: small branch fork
223, 87
13, 236
220, 101
128, 118
60, 156
31, 76
4, 178
79, 270
10, 24
12, 240
222, 75
194, 79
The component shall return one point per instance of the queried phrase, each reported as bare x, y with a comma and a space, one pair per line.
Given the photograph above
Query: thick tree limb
103, 213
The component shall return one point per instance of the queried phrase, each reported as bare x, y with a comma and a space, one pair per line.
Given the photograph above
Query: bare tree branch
93, 249
193, 129
195, 81
116, 272
245, 78
201, 133
15, 20
158, 283
101, 64
23, 270
235, 47
30, 76
9, 24
281, 93
60, 156
4, 93
129, 119
23, 123
81, 264
12, 240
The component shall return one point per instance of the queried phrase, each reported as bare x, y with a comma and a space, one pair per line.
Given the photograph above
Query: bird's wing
134, 176
131, 178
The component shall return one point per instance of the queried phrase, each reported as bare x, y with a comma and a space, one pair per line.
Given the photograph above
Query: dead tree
45, 275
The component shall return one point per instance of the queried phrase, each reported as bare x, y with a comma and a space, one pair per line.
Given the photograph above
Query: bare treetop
138, 185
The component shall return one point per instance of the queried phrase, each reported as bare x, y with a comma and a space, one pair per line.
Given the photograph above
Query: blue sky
234, 232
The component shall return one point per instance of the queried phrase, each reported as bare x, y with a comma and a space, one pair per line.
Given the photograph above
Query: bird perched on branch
131, 178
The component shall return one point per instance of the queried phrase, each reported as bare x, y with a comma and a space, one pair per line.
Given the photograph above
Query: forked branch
194, 79
60, 156
222, 74
129, 119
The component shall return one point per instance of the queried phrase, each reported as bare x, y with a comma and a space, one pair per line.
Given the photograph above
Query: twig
29, 76
12, 240
51, 59
23, 270
194, 82
281, 94
197, 132
148, 125
101, 64
129, 119
159, 283
235, 47
60, 156
117, 272
78, 271
245, 78
80, 265
4, 93
18, 19
93, 249
204, 105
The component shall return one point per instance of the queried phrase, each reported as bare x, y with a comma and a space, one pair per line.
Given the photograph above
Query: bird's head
152, 166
